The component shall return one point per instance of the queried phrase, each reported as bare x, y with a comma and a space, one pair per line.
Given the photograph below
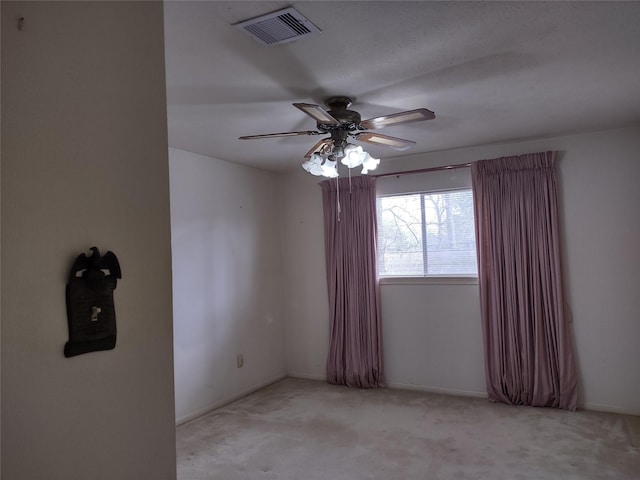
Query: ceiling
491, 72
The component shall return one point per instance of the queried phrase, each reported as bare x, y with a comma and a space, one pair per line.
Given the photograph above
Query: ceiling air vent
278, 27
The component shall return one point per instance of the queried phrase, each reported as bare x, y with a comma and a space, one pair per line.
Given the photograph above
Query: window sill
430, 280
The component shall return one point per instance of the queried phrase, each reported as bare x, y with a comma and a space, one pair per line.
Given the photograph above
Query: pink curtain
355, 349
527, 339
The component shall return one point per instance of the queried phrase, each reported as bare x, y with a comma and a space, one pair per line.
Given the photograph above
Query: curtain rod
422, 170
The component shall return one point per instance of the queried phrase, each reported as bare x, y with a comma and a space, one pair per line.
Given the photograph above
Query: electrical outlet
240, 360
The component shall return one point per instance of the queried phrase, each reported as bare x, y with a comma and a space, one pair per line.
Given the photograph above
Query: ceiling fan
341, 123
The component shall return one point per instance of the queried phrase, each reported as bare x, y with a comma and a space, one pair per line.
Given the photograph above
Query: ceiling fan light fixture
325, 164
341, 123
321, 167
337, 152
314, 165
353, 155
369, 163
329, 168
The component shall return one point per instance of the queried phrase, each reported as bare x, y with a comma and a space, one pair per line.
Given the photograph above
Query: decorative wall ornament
91, 312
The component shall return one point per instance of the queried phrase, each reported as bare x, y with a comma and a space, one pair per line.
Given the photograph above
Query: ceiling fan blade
319, 147
385, 140
317, 113
284, 134
417, 115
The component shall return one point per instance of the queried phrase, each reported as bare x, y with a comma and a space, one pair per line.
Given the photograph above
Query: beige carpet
308, 430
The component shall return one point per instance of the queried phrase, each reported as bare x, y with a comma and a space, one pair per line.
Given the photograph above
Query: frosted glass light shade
314, 165
325, 165
329, 169
369, 163
353, 155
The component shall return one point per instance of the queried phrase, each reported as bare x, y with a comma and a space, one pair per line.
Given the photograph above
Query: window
424, 234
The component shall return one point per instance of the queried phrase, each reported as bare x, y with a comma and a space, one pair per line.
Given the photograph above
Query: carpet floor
309, 430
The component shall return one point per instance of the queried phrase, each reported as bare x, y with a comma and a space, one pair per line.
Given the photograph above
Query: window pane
427, 234
451, 246
400, 235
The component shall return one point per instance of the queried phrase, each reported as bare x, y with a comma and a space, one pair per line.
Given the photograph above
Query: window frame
428, 279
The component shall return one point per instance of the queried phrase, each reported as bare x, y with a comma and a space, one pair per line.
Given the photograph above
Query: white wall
432, 335
305, 304
226, 228
84, 162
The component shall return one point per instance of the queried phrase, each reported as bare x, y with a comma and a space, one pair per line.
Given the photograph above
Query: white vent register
278, 27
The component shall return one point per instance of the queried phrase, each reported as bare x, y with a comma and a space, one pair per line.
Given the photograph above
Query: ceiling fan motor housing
349, 119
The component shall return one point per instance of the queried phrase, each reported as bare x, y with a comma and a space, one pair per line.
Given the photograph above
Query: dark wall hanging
90, 310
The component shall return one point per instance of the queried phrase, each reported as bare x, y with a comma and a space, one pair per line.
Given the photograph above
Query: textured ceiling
491, 71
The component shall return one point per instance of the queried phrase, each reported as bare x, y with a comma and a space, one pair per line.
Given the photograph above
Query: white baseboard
224, 401
307, 376
465, 393
440, 390
400, 386
596, 407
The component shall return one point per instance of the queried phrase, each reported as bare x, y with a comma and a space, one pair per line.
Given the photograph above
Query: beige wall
84, 162
432, 335
225, 228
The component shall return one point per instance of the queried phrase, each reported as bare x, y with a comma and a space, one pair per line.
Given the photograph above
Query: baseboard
307, 376
439, 390
400, 386
596, 407
466, 393
633, 427
232, 398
